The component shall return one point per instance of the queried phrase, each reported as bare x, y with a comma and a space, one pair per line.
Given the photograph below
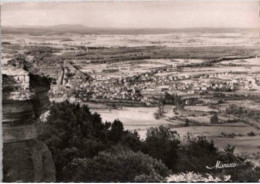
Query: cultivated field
179, 79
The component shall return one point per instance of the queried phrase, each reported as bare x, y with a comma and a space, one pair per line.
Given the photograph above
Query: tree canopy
85, 149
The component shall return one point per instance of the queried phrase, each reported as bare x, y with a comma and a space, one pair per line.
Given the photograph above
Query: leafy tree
132, 141
117, 129
72, 132
160, 111
162, 144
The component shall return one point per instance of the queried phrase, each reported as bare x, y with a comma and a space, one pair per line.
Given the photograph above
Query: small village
146, 88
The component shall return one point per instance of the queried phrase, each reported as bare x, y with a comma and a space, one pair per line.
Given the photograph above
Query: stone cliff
25, 158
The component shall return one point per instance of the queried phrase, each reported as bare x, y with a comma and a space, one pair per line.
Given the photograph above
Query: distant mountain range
81, 29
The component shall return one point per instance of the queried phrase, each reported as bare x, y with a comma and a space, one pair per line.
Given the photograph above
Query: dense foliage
120, 165
243, 111
162, 144
73, 132
174, 100
85, 149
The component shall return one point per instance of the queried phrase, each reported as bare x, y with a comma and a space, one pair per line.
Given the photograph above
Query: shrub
228, 135
221, 101
187, 122
251, 134
120, 164
245, 172
214, 119
195, 154
229, 149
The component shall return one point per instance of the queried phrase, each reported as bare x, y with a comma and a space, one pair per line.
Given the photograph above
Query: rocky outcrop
40, 85
25, 159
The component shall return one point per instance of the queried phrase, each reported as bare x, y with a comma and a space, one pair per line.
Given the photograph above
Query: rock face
25, 159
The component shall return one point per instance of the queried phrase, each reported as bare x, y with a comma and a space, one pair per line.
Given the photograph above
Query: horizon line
97, 27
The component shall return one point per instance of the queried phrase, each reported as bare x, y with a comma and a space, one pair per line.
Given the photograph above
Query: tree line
85, 149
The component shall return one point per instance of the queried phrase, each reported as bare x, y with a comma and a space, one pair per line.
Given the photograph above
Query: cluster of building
147, 87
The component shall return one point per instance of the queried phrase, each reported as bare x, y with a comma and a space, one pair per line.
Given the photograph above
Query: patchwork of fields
179, 79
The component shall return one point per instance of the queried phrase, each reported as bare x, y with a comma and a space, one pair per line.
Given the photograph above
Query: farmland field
131, 74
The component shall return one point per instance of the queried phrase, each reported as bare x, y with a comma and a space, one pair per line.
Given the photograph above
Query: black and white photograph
130, 91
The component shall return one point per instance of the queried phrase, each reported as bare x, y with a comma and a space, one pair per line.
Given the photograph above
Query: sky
133, 14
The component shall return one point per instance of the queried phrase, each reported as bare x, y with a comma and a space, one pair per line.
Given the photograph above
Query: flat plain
182, 79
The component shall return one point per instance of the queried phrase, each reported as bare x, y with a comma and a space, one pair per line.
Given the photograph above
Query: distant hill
81, 29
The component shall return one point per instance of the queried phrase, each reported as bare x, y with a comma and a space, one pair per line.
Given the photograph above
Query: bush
228, 135
229, 149
119, 165
195, 154
251, 134
214, 119
221, 101
187, 122
245, 172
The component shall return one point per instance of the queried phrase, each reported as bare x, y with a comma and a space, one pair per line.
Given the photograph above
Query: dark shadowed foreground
85, 149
